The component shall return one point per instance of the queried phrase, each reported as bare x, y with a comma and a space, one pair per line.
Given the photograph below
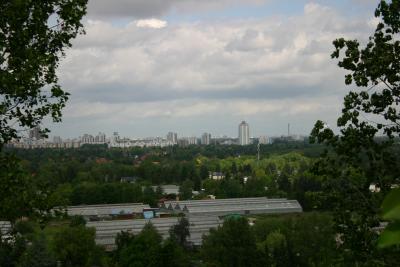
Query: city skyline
35, 139
173, 135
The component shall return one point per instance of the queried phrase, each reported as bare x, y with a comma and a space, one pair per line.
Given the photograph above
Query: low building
216, 175
223, 207
90, 212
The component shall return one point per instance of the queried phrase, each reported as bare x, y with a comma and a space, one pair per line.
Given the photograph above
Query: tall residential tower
244, 134
205, 139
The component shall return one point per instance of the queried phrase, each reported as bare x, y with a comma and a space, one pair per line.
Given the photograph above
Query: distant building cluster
36, 139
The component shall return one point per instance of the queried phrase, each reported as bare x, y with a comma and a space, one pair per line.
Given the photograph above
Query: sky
147, 67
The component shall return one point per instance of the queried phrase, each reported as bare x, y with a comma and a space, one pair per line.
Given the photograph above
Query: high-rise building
87, 139
57, 140
192, 140
244, 134
205, 139
35, 133
100, 138
172, 137
263, 140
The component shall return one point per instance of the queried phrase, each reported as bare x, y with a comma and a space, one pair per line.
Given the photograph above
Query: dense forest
92, 174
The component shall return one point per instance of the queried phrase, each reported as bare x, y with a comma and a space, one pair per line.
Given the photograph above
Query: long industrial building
222, 207
178, 204
106, 231
107, 209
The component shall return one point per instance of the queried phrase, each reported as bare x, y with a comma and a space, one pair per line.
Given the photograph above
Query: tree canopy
33, 38
364, 153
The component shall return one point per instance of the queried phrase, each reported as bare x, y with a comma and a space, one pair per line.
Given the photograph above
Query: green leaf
391, 205
390, 236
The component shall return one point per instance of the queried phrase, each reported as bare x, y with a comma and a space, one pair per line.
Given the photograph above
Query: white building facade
206, 139
244, 133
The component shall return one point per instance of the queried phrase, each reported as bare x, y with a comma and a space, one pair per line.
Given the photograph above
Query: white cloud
151, 23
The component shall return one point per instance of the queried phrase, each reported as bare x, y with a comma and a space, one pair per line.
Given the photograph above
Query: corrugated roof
5, 227
221, 207
106, 231
180, 204
106, 209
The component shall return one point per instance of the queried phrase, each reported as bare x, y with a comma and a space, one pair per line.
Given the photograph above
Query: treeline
105, 193
173, 152
92, 174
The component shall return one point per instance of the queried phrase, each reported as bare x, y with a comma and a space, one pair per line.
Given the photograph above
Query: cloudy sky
146, 67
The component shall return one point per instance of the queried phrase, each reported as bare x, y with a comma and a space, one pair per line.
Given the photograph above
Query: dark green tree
276, 250
186, 190
143, 250
204, 172
11, 250
20, 195
149, 196
173, 255
284, 183
74, 246
232, 245
231, 188
254, 187
37, 254
357, 157
122, 240
33, 38
159, 191
180, 232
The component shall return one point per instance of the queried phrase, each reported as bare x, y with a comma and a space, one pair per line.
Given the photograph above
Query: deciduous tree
356, 157
33, 38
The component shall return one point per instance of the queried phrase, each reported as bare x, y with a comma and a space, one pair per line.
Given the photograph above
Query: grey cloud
128, 8
253, 59
156, 8
247, 68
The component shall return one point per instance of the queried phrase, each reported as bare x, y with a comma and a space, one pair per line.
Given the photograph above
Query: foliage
149, 196
147, 248
173, 255
11, 252
357, 157
185, 190
180, 232
391, 212
33, 37
75, 246
276, 249
77, 220
37, 255
20, 195
231, 245
142, 250
297, 240
76, 176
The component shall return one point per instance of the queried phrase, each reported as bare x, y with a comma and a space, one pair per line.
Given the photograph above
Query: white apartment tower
244, 134
172, 137
205, 139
